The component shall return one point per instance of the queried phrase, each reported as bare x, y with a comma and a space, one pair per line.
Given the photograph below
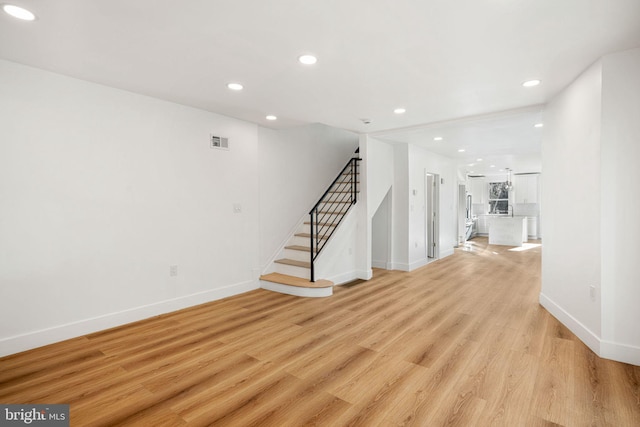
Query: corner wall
102, 191
620, 208
589, 155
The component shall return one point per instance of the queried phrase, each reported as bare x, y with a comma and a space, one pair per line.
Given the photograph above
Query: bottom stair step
292, 285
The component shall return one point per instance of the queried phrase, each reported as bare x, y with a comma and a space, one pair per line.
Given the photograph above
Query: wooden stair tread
303, 264
299, 248
295, 281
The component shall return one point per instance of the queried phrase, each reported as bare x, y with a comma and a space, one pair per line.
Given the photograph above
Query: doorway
432, 216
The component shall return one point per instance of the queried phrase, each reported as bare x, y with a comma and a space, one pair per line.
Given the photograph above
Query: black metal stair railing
334, 204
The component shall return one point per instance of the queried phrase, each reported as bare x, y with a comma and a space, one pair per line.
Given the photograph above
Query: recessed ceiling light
478, 160
531, 83
437, 138
308, 59
538, 125
271, 117
501, 170
235, 86
472, 164
462, 150
492, 166
18, 12
400, 110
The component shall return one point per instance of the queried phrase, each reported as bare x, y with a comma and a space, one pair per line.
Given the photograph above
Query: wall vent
219, 142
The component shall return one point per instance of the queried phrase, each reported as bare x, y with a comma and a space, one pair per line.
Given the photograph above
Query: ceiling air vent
219, 142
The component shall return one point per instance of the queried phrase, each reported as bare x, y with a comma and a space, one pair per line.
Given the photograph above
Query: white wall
400, 211
296, 167
590, 178
571, 178
102, 190
620, 208
378, 176
404, 167
421, 163
380, 234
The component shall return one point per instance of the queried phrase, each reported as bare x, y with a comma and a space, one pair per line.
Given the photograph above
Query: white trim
364, 274
606, 349
58, 333
447, 253
379, 264
399, 266
341, 279
620, 352
586, 336
297, 290
420, 263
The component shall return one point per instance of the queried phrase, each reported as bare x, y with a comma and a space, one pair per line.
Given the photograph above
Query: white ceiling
441, 60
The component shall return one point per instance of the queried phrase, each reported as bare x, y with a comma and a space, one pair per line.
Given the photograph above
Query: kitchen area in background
505, 207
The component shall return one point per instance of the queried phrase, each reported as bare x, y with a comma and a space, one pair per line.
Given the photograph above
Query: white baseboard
364, 274
379, 264
620, 352
447, 253
417, 264
603, 348
343, 278
28, 341
297, 290
586, 336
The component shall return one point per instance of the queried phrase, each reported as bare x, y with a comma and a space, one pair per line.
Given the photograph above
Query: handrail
347, 191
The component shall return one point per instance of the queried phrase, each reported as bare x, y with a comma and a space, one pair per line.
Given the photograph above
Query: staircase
295, 269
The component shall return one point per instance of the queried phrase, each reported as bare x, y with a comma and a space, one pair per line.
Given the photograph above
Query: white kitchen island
508, 230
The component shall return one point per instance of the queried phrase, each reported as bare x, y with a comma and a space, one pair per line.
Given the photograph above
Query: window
498, 198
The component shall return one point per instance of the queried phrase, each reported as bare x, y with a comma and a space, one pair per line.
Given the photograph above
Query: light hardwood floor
462, 341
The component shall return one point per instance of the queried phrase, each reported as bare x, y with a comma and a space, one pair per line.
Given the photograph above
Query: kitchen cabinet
525, 188
483, 224
532, 227
477, 189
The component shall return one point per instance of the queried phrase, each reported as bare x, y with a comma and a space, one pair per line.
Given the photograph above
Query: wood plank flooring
460, 342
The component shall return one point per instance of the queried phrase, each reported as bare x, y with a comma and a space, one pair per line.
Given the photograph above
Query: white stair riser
297, 291
292, 270
331, 218
323, 228
299, 241
297, 255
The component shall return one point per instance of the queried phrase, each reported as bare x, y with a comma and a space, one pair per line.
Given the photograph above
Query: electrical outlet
592, 292
237, 208
173, 271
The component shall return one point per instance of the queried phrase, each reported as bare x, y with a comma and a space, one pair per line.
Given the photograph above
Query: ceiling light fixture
531, 83
437, 138
538, 125
492, 166
18, 12
461, 150
400, 111
235, 86
271, 117
478, 160
307, 59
